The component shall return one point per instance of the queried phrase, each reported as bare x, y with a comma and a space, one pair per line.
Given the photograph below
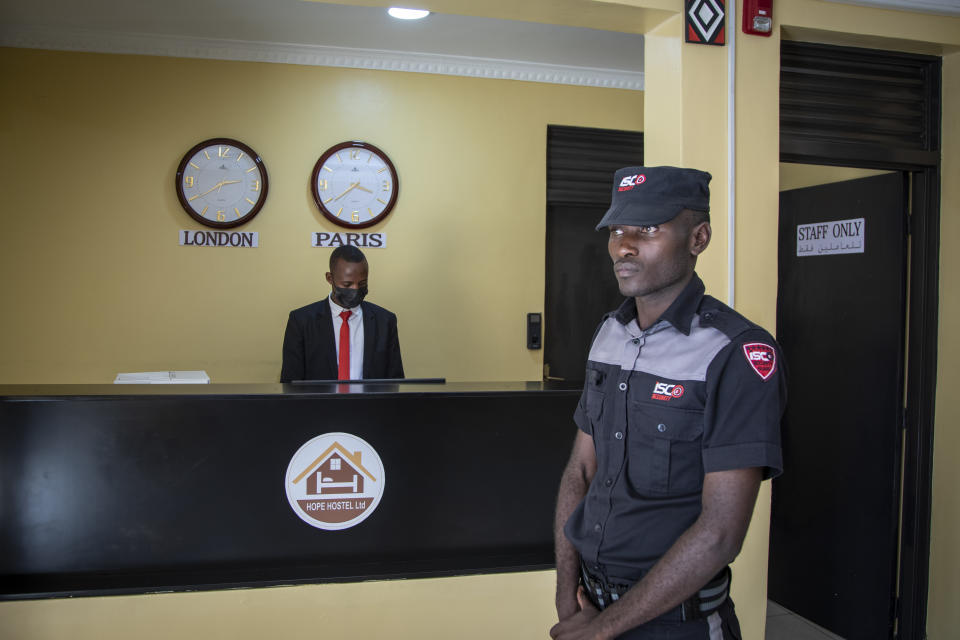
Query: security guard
679, 422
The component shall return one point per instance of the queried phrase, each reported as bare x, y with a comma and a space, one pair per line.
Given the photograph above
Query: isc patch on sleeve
762, 357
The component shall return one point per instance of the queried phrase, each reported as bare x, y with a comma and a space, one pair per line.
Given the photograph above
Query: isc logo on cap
629, 182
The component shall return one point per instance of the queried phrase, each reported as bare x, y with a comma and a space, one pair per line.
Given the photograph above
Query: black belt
604, 591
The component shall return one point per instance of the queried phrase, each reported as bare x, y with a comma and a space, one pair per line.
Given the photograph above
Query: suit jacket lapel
369, 334
327, 339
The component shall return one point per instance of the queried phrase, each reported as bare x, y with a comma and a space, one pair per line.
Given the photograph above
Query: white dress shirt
355, 323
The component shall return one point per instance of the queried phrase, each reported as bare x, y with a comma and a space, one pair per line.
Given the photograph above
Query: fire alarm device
758, 17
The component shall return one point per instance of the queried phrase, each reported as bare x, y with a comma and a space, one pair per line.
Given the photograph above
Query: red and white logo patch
666, 392
762, 357
630, 182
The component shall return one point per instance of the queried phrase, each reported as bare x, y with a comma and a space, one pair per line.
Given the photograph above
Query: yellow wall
678, 122
95, 282
90, 222
510, 606
943, 618
755, 280
300, 94
683, 128
798, 176
686, 123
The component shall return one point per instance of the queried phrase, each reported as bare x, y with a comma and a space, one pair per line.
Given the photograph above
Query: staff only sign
831, 238
335, 481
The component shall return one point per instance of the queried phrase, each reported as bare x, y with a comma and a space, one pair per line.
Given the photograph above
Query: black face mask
349, 298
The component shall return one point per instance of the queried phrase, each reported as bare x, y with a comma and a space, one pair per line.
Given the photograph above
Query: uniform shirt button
623, 386
608, 482
618, 435
636, 341
596, 567
661, 427
596, 527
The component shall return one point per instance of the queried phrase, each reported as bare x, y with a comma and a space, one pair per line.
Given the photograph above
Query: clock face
354, 184
222, 182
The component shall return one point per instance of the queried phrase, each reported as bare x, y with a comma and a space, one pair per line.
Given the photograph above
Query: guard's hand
579, 625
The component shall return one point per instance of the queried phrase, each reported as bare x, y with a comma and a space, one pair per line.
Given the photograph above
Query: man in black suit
342, 337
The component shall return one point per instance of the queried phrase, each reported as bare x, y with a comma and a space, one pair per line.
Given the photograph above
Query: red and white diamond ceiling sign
705, 21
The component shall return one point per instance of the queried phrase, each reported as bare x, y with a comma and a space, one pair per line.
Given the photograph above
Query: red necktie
343, 366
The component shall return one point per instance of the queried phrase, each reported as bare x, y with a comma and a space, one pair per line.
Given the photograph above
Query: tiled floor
783, 624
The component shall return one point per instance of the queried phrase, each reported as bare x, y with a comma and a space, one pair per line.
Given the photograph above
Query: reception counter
149, 488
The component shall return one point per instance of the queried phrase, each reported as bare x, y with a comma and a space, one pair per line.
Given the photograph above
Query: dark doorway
580, 288
579, 283
854, 107
840, 321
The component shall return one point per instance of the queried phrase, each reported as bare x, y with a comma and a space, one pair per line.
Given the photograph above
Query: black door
580, 287
840, 320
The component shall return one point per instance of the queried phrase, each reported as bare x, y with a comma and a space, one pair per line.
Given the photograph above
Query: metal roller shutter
858, 106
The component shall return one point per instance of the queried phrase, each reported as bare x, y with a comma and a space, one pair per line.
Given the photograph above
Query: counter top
15, 392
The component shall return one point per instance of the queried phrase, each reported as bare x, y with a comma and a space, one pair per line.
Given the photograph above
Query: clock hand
349, 189
226, 182
363, 189
216, 186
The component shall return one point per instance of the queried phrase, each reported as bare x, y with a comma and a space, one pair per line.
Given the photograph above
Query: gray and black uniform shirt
701, 390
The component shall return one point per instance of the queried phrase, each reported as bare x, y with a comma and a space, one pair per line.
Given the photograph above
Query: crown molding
318, 55
938, 7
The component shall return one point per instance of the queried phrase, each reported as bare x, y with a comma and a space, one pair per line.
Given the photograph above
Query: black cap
645, 196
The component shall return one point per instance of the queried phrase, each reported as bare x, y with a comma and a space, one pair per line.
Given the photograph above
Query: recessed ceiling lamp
408, 14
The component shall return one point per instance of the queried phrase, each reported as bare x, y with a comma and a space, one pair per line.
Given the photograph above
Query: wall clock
354, 184
221, 182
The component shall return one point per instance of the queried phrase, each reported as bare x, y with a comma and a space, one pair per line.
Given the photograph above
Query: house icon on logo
335, 471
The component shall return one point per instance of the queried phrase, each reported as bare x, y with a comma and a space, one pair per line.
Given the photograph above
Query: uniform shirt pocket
594, 405
665, 450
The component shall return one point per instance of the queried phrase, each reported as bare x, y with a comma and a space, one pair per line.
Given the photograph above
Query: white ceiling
315, 33
350, 35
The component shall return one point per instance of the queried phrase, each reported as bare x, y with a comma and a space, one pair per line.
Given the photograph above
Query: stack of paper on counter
163, 377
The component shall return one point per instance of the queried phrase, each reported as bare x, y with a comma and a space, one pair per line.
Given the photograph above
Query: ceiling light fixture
408, 14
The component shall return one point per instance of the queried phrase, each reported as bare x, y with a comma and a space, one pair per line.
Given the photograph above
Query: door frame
876, 431
918, 420
919, 415
580, 163
923, 167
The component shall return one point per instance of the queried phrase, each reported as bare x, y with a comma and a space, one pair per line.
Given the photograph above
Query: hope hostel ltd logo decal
335, 481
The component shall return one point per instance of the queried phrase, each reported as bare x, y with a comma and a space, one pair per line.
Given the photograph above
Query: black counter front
144, 488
